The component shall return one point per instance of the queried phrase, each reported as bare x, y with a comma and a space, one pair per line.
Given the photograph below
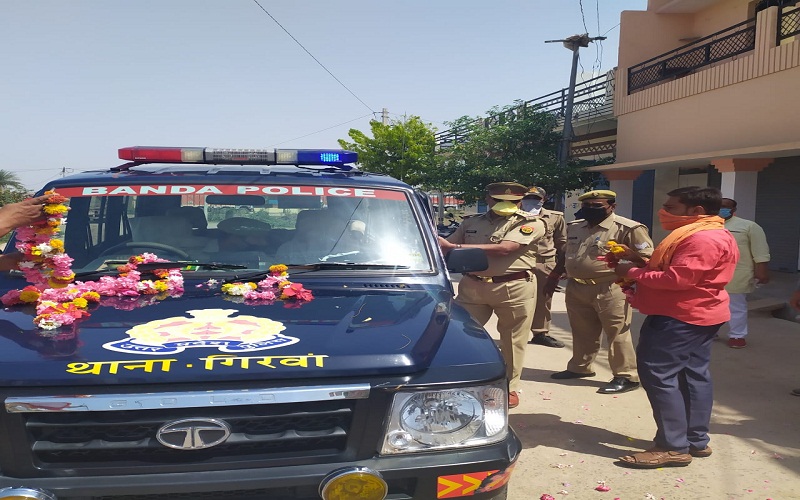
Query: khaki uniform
512, 301
549, 247
594, 303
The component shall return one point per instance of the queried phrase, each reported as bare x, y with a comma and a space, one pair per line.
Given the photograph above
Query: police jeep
378, 387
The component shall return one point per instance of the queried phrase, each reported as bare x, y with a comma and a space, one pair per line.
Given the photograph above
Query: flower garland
56, 307
45, 264
275, 286
61, 302
614, 256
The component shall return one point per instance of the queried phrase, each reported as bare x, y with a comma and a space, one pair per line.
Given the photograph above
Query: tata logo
193, 433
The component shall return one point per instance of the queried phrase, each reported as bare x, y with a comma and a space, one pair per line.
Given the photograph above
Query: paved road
572, 435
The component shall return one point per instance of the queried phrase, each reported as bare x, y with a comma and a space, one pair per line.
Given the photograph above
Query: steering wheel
147, 244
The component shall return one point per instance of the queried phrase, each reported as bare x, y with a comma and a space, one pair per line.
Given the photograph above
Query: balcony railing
591, 97
788, 23
721, 45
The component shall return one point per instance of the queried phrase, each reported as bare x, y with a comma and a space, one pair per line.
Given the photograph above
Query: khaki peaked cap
510, 191
601, 194
537, 192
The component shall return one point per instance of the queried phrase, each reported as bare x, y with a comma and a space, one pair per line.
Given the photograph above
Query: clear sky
82, 78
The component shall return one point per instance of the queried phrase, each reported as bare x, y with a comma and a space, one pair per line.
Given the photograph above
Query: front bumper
448, 474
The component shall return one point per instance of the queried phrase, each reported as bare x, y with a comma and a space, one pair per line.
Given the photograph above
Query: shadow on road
544, 429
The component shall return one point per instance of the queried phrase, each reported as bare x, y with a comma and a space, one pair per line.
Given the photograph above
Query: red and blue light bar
311, 157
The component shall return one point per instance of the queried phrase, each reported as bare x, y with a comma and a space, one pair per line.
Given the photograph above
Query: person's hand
551, 283
22, 213
445, 245
762, 278
10, 261
794, 300
622, 268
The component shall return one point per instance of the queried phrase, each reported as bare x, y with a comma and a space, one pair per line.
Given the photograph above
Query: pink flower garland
275, 286
47, 267
61, 302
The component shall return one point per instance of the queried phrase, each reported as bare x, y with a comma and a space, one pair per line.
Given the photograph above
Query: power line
583, 17
323, 130
598, 48
426, 121
312, 56
611, 29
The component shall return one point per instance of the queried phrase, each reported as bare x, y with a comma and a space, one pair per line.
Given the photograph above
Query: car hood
212, 337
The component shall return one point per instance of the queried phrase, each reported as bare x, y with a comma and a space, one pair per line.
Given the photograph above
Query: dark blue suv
377, 387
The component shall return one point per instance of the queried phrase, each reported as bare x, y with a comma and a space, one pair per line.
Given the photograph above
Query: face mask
533, 206
669, 221
592, 215
725, 213
504, 208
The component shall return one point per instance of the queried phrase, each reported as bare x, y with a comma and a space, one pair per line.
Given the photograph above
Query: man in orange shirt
682, 291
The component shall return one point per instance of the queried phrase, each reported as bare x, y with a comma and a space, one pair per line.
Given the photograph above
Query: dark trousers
673, 364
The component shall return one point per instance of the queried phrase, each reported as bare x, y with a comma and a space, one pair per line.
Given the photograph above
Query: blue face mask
725, 213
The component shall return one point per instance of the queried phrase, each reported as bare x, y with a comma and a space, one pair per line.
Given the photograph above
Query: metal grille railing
729, 42
788, 23
589, 97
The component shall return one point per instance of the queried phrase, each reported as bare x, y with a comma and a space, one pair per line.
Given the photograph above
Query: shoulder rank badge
526, 229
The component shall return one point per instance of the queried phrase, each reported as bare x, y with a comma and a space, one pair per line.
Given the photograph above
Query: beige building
708, 93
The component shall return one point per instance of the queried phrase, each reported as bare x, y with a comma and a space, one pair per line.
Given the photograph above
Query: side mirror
464, 260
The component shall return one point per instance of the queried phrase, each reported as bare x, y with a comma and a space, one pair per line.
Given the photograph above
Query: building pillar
621, 182
740, 182
666, 179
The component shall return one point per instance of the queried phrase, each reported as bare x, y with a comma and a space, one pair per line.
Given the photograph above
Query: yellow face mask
504, 208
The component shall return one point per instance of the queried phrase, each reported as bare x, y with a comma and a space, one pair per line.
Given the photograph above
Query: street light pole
573, 43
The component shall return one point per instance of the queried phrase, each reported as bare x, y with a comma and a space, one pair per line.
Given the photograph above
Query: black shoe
545, 340
618, 385
566, 374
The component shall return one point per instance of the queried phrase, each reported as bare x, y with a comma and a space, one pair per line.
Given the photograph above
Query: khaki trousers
593, 309
542, 316
513, 303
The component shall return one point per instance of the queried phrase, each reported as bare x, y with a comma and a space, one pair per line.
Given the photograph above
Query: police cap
537, 192
600, 194
510, 191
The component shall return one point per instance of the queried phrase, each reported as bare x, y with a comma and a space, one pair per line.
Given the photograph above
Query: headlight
25, 494
449, 418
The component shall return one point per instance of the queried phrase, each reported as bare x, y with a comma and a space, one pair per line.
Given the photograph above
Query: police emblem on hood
206, 328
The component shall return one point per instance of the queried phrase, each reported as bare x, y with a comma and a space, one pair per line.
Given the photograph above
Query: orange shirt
692, 288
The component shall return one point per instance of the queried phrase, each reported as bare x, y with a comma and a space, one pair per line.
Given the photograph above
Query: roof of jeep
187, 173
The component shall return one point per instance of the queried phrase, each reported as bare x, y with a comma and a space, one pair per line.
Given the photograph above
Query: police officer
549, 249
594, 302
507, 287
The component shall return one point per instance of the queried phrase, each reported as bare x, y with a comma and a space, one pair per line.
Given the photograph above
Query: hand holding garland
23, 213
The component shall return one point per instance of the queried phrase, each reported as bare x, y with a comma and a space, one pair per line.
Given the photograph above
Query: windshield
250, 225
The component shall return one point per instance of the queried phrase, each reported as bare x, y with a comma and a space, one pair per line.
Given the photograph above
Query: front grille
107, 439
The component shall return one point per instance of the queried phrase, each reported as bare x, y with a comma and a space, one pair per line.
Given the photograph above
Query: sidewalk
572, 435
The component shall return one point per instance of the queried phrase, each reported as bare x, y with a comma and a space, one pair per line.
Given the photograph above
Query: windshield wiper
322, 266
152, 266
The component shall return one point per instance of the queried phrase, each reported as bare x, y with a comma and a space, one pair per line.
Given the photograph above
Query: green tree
10, 181
516, 143
11, 188
401, 149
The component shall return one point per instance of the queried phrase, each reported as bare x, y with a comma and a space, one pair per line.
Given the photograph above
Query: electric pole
573, 43
385, 116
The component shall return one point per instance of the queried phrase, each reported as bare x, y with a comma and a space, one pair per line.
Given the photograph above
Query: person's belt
519, 275
595, 281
